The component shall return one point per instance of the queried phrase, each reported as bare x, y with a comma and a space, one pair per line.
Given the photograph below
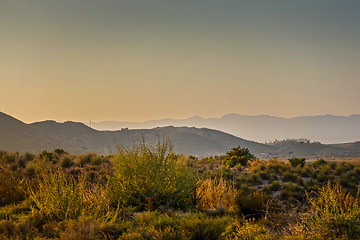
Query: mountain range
76, 137
262, 128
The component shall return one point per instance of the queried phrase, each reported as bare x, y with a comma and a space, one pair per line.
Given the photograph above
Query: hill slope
75, 137
262, 128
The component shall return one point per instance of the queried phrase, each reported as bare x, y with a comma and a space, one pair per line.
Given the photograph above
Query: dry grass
216, 193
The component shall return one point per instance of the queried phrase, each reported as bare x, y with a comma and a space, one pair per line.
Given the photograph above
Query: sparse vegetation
152, 193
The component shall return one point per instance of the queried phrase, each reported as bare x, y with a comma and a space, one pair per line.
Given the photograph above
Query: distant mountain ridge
328, 128
75, 137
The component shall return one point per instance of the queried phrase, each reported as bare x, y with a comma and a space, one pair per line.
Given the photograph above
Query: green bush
58, 197
147, 178
294, 162
234, 160
290, 177
255, 179
275, 186
236, 156
255, 204
336, 213
319, 162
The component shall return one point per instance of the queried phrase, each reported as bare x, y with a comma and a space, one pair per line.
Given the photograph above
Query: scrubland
151, 193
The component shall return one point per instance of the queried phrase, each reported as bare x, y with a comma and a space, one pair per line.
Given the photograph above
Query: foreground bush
59, 198
336, 214
147, 178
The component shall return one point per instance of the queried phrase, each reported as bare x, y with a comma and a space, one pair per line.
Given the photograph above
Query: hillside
325, 129
75, 137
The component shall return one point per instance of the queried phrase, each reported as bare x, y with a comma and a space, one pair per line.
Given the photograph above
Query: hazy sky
138, 60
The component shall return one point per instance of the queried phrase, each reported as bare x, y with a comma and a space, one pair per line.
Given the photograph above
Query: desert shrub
323, 174
241, 179
306, 171
47, 156
264, 175
7, 158
336, 213
99, 160
257, 166
84, 228
216, 193
112, 230
59, 151
11, 187
319, 162
255, 179
238, 167
276, 165
199, 227
51, 230
289, 176
27, 157
66, 162
91, 176
83, 159
7, 229
255, 204
155, 225
247, 230
226, 173
294, 162
292, 192
343, 167
11, 229
148, 177
167, 233
234, 160
275, 186
58, 198
273, 177
312, 185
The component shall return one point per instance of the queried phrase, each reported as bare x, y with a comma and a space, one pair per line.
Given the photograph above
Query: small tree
236, 156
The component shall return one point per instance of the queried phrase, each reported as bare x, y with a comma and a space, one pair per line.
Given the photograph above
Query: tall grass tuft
147, 178
216, 193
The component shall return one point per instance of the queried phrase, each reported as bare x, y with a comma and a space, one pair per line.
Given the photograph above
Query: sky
138, 60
